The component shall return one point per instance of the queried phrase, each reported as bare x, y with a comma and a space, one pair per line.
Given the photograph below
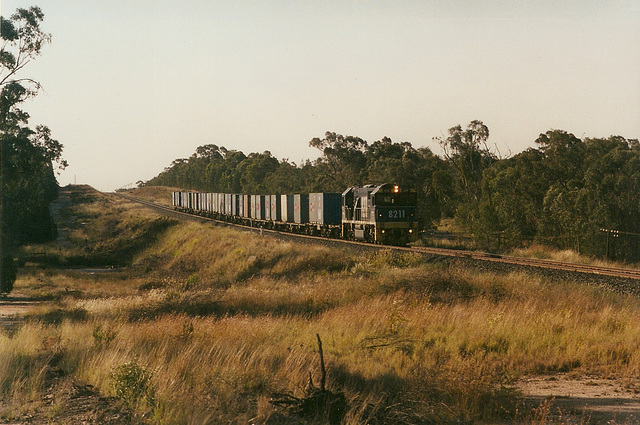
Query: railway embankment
621, 280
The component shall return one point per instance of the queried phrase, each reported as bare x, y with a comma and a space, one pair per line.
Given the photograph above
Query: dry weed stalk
318, 403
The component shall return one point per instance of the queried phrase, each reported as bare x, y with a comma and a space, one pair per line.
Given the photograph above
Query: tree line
27, 155
564, 192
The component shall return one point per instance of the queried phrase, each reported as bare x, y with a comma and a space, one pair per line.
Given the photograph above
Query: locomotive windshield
405, 199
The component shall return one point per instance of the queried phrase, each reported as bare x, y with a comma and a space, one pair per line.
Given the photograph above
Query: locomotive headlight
396, 188
383, 231
410, 230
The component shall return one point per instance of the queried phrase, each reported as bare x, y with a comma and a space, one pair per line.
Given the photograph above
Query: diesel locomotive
382, 214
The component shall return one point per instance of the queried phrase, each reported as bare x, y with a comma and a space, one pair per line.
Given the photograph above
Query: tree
343, 161
563, 156
513, 191
467, 152
255, 170
401, 163
563, 192
27, 177
287, 178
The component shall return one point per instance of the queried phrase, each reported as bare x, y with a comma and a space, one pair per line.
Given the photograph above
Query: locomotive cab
383, 214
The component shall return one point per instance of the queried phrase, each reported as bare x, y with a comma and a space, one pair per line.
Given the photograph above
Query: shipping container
257, 203
325, 208
252, 206
276, 214
301, 208
234, 204
286, 208
220, 203
246, 212
227, 203
267, 207
240, 205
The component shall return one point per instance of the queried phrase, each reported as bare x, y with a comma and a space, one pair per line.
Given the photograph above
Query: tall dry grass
220, 320
566, 255
158, 194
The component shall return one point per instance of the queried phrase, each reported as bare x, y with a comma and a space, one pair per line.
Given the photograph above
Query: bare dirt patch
595, 400
13, 308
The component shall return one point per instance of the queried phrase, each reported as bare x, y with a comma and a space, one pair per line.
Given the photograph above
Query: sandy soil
12, 308
592, 400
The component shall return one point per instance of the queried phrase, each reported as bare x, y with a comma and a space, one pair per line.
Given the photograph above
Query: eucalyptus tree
468, 154
28, 181
343, 162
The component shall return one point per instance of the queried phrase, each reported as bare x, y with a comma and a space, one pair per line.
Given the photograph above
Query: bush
132, 383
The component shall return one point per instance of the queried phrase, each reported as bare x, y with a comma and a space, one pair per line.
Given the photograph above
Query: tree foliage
565, 191
28, 180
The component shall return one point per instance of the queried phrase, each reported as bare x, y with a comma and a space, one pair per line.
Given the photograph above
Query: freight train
382, 214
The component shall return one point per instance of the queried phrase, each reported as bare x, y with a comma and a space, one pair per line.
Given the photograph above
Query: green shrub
132, 383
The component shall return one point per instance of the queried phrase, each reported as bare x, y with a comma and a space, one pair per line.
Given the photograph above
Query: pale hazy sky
132, 85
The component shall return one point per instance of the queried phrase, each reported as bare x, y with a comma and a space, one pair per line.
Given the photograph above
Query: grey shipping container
267, 207
276, 213
220, 203
301, 208
325, 208
227, 203
286, 208
240, 211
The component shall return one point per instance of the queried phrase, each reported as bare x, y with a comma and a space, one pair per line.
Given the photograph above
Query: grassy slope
223, 319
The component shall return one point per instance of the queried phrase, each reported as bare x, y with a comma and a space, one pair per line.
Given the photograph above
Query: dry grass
158, 194
566, 255
220, 320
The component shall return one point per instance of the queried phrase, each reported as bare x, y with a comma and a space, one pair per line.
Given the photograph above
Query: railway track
471, 255
535, 262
